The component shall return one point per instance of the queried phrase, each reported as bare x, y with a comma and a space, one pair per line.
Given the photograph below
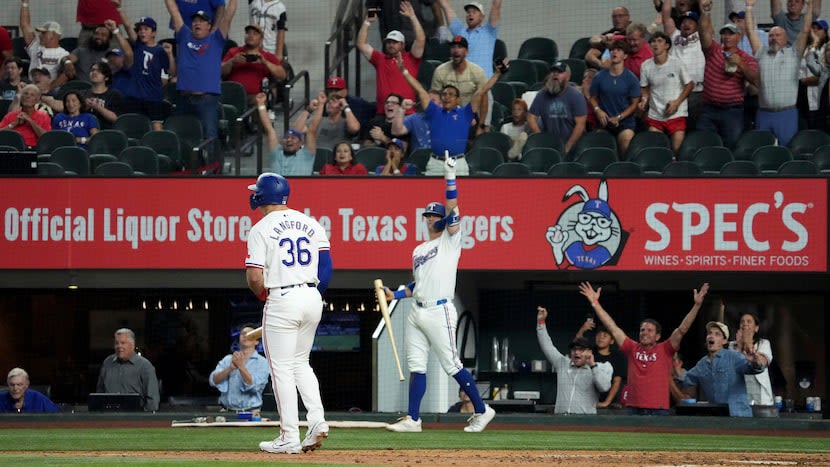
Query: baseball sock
417, 389
468, 384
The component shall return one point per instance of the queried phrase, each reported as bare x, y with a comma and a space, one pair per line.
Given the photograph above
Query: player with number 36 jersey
289, 267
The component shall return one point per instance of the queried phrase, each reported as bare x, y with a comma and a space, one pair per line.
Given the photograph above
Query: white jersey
434, 267
267, 13
689, 51
286, 245
665, 83
42, 57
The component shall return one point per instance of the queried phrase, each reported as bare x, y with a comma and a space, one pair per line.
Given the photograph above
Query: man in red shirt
28, 121
250, 63
389, 78
92, 14
649, 361
639, 50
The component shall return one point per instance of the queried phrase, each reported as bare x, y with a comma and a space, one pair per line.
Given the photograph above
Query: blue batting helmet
435, 209
270, 188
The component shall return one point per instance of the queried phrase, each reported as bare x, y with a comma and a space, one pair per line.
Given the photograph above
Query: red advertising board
761, 224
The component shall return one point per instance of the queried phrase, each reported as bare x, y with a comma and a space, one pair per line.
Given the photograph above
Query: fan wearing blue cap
291, 157
395, 153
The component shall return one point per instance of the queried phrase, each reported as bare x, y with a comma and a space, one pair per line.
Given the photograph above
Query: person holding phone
250, 63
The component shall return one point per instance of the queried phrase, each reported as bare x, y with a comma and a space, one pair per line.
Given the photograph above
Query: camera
251, 58
372, 12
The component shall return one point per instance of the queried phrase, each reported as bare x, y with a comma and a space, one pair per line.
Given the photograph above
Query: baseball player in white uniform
289, 266
432, 321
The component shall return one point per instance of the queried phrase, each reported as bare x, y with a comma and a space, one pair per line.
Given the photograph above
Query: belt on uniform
429, 304
725, 106
441, 157
777, 109
310, 284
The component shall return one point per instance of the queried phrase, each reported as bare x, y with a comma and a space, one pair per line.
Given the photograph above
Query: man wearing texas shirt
649, 361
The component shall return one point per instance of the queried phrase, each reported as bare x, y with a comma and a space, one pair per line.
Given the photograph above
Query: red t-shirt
633, 62
390, 79
26, 130
648, 374
5, 40
96, 12
250, 74
354, 169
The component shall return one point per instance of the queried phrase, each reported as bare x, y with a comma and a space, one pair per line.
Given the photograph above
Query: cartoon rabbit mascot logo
587, 235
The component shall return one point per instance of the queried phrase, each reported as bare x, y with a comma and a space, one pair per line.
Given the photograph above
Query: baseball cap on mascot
270, 188
598, 206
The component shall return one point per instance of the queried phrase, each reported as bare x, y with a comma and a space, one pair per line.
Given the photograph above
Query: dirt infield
406, 458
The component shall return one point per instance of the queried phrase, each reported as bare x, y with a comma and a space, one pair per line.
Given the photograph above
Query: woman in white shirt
758, 387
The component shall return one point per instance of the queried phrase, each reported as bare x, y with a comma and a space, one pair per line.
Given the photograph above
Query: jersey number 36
296, 251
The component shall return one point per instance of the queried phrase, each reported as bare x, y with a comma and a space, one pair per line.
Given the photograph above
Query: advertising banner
641, 224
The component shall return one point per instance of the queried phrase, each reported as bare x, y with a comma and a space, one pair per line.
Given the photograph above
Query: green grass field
234, 439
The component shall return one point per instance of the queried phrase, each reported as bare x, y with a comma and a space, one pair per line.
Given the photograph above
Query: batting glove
449, 167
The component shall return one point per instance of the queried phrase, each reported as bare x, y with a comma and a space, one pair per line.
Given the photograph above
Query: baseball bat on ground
384, 310
254, 334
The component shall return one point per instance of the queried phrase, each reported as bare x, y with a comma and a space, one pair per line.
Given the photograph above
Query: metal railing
347, 22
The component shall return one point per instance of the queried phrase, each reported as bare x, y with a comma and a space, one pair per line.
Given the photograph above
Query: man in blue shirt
719, 376
289, 158
242, 375
199, 64
20, 399
449, 123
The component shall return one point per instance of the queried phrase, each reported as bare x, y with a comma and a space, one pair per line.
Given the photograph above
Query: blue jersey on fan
145, 74
198, 61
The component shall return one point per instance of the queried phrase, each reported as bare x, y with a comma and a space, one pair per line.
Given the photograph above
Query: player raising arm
432, 321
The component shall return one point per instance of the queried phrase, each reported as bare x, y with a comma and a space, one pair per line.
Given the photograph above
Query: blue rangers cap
435, 209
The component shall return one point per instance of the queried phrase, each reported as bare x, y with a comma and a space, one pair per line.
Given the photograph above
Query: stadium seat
739, 168
539, 48
322, 156
798, 167
591, 139
191, 136
142, 159
4, 107
647, 139
596, 159
541, 159
750, 141
165, 143
97, 159
436, 50
805, 143
711, 159
579, 48
484, 159
233, 93
519, 88
54, 139
769, 158
371, 157
12, 138
114, 169
73, 85
49, 168
544, 139
623, 169
499, 51
578, 67
682, 169
695, 140
68, 43
511, 169
542, 69
133, 125
653, 159
107, 142
503, 93
822, 159
73, 159
425, 71
496, 140
419, 158
521, 70
567, 169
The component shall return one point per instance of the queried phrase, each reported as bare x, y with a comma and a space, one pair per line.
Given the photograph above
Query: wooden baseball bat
254, 334
384, 310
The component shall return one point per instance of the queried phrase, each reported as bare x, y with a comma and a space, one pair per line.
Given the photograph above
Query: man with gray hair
20, 399
127, 372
